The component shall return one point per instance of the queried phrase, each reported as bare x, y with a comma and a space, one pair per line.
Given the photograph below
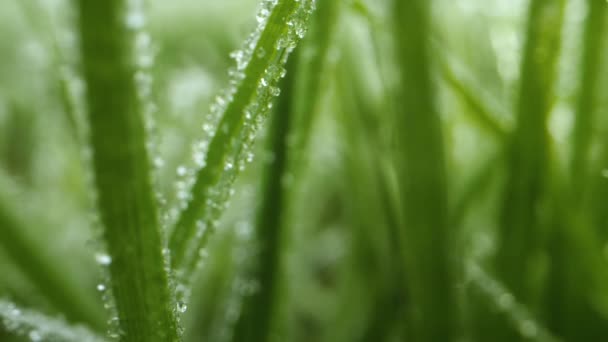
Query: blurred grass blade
520, 223
37, 327
481, 113
577, 276
259, 68
518, 259
258, 309
594, 36
139, 281
516, 313
425, 234
474, 188
369, 200
39, 18
311, 78
43, 270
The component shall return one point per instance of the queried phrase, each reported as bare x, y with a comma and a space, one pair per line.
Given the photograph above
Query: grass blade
585, 104
481, 113
126, 201
517, 314
38, 327
520, 224
422, 180
39, 267
259, 67
528, 150
256, 318
312, 71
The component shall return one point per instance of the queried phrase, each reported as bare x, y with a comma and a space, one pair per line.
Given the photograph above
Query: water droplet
228, 166
275, 91
101, 287
262, 15
135, 20
182, 307
103, 259
181, 171
159, 162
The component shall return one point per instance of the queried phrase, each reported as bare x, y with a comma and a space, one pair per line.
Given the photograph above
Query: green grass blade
256, 318
37, 327
575, 247
520, 223
528, 151
39, 18
312, 70
43, 270
259, 67
139, 281
422, 180
482, 114
517, 314
594, 35
474, 188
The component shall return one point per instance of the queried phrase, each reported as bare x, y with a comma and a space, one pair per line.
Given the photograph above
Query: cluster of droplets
242, 57
143, 58
104, 260
143, 55
506, 303
255, 114
240, 151
36, 327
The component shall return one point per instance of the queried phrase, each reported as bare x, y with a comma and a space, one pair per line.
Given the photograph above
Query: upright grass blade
425, 234
594, 35
127, 207
43, 271
594, 74
40, 19
312, 70
521, 223
258, 309
37, 327
376, 253
576, 254
520, 220
259, 68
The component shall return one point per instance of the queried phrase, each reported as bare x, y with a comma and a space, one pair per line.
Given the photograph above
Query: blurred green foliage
432, 171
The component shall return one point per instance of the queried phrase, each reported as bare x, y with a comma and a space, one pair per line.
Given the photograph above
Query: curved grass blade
139, 281
425, 234
242, 110
39, 267
38, 327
